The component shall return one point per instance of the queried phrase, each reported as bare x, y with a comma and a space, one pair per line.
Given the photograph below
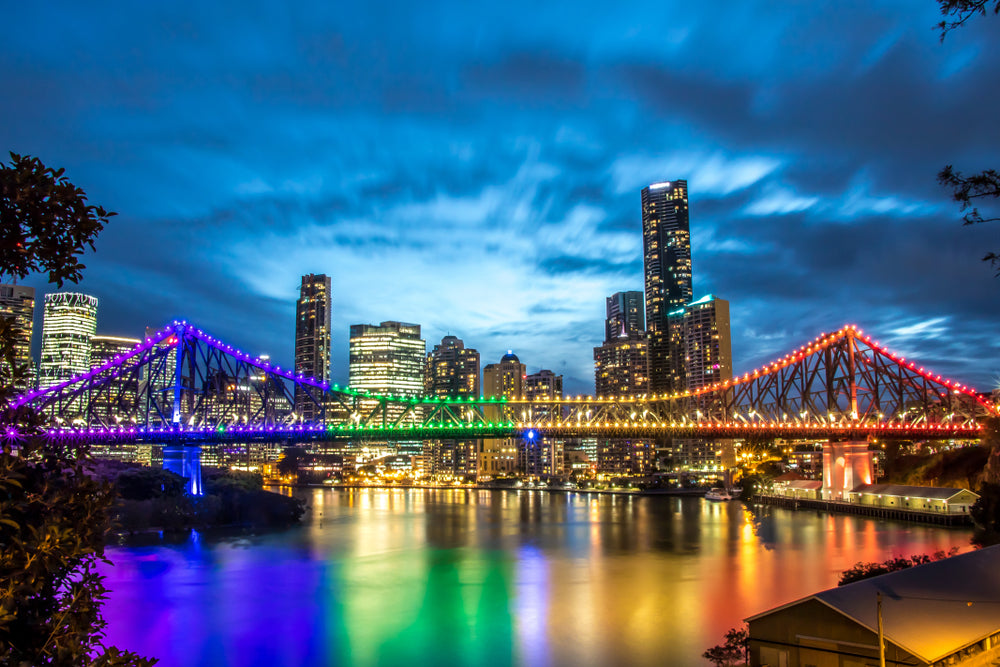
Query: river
473, 577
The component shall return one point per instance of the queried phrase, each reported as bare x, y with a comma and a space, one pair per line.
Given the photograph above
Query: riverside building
498, 456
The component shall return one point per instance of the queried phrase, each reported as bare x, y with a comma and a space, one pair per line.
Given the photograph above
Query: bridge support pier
846, 464
185, 460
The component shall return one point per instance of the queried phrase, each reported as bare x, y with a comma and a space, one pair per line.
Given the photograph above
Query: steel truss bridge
183, 386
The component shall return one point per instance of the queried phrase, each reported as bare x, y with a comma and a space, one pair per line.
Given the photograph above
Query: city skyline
482, 179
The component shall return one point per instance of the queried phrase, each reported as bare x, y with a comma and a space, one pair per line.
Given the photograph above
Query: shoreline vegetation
152, 499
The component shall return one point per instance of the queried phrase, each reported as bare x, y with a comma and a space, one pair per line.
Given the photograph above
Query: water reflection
473, 577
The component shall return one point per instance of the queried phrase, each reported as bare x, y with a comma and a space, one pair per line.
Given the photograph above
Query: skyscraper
312, 339
541, 456
666, 241
17, 303
69, 322
388, 358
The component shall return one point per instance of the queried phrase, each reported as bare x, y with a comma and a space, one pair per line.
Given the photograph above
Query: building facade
17, 303
626, 316
388, 358
707, 342
119, 400
452, 371
498, 456
312, 339
666, 242
69, 322
541, 456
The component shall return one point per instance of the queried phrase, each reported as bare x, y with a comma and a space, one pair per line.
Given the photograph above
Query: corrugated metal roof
930, 610
805, 484
904, 491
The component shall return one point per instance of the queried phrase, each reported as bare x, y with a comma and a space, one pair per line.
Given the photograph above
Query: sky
475, 168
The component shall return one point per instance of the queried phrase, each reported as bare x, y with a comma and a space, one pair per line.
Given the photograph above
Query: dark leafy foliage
45, 222
53, 511
862, 571
957, 12
734, 651
985, 184
146, 483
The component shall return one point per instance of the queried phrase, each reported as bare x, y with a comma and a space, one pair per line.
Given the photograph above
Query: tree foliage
53, 511
45, 222
969, 190
734, 651
862, 571
957, 12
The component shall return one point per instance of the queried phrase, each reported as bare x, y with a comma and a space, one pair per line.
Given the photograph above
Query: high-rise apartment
708, 354
388, 358
621, 363
452, 370
666, 242
17, 303
312, 339
69, 322
505, 379
541, 456
704, 331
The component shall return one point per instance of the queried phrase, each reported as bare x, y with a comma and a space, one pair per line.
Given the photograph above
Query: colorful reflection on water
469, 577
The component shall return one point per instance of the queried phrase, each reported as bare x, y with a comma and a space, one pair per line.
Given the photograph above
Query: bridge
183, 386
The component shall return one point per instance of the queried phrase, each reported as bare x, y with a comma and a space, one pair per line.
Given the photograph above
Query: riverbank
696, 492
895, 514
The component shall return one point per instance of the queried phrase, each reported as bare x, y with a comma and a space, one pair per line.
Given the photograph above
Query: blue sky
475, 168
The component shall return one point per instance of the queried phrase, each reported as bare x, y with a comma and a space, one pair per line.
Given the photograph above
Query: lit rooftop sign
659, 186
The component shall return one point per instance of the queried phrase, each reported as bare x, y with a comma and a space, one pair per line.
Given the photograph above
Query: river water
472, 577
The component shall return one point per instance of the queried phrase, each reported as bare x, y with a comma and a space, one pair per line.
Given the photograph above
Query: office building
115, 402
68, 323
666, 241
388, 358
17, 303
625, 316
312, 341
452, 371
504, 379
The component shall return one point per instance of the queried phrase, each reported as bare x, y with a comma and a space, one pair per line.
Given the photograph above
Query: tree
734, 651
290, 459
45, 222
53, 511
967, 190
862, 571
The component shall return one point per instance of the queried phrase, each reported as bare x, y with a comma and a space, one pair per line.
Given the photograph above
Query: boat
718, 494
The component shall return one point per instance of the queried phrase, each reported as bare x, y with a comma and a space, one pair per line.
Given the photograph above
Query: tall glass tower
312, 339
68, 324
666, 243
